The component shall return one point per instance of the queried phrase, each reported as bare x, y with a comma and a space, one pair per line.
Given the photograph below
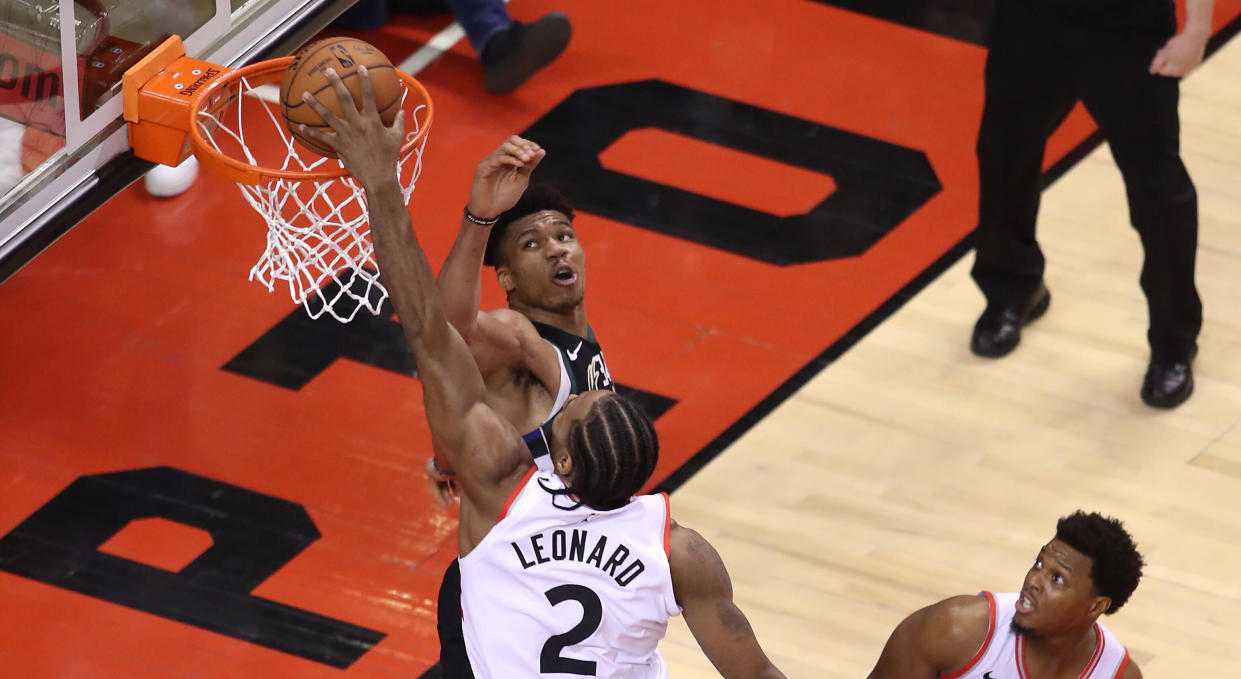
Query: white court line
440, 43
268, 93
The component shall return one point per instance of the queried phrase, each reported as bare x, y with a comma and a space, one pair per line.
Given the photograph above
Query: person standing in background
510, 51
1124, 60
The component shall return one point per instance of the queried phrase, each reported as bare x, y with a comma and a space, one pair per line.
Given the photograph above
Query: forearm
450, 378
1198, 17
460, 279
406, 274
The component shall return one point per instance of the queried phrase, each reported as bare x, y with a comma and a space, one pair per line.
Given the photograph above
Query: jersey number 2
550, 660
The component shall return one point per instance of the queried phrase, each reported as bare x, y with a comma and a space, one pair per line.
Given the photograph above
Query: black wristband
479, 220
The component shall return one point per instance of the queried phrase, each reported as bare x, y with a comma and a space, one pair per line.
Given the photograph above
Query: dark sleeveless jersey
581, 358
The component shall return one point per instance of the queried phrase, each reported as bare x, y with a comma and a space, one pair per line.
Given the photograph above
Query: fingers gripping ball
308, 73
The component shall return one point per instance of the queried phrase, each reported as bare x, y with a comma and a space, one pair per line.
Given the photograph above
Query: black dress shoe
998, 329
518, 52
1168, 385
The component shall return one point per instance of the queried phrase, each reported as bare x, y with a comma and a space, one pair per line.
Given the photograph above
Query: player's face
1058, 594
544, 265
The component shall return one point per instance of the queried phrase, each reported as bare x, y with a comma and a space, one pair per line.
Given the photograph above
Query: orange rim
266, 72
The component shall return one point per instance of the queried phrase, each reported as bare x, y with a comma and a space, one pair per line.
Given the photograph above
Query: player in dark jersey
537, 352
526, 351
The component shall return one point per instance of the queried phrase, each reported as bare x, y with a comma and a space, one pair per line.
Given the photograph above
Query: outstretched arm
452, 385
705, 594
499, 182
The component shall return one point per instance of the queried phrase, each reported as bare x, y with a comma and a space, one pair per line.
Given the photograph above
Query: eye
1058, 579
529, 245
565, 237
1038, 563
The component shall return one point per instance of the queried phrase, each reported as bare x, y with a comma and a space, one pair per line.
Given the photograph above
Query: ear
505, 278
1099, 606
563, 463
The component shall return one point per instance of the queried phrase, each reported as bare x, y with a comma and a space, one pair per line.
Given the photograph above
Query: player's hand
503, 176
443, 488
1180, 55
368, 149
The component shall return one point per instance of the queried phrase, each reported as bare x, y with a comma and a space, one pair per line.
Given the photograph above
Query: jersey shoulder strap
582, 355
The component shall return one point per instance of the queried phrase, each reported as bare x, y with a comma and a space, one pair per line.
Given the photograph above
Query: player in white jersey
1048, 630
604, 449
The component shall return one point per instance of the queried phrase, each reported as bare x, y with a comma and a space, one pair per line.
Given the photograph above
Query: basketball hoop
318, 235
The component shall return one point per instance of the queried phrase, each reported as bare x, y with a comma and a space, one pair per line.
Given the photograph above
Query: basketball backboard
64, 148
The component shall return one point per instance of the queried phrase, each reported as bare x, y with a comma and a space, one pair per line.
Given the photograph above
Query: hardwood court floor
756, 183
910, 470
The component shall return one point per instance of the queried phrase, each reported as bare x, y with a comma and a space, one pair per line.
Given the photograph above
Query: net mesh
318, 235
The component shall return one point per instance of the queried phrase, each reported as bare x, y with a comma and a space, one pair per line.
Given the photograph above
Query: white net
318, 235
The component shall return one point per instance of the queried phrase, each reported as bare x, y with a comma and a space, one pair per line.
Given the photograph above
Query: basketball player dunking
532, 540
536, 353
1048, 630
541, 349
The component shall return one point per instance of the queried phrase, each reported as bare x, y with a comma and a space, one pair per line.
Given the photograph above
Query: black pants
453, 659
1038, 66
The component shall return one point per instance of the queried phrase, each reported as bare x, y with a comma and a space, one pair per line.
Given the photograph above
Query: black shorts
454, 662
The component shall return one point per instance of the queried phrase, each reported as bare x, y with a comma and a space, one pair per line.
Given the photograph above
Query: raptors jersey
1002, 655
559, 592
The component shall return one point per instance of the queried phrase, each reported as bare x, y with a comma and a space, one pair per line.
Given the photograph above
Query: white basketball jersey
1002, 655
558, 592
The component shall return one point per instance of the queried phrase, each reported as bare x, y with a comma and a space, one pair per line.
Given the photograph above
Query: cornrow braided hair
614, 451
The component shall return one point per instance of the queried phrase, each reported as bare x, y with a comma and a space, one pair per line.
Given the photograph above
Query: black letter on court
254, 536
878, 184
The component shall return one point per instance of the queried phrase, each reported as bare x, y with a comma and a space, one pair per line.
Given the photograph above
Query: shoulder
964, 618
696, 566
941, 639
521, 329
508, 339
687, 546
510, 319
956, 627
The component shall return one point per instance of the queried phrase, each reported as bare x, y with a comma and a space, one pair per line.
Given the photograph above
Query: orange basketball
306, 73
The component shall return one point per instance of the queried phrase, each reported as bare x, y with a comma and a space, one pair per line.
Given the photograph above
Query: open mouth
564, 276
1025, 604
